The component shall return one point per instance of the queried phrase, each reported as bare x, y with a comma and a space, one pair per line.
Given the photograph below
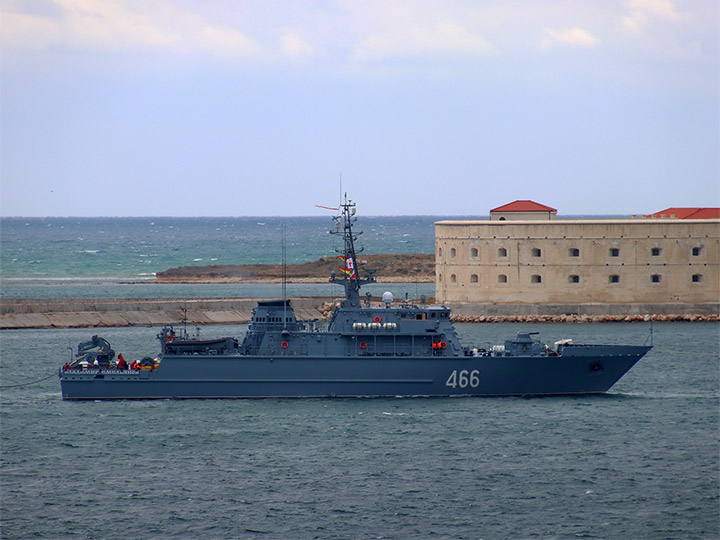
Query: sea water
107, 249
119, 257
638, 462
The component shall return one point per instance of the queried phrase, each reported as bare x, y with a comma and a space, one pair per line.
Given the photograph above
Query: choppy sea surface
118, 257
639, 462
102, 249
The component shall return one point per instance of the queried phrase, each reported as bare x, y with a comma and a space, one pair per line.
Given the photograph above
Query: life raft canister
377, 319
284, 344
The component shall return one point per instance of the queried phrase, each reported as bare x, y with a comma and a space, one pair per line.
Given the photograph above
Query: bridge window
574, 252
536, 252
474, 252
696, 251
574, 279
614, 252
474, 278
502, 278
697, 278
453, 252
655, 278
614, 278
502, 252
655, 252
439, 252
453, 278
535, 278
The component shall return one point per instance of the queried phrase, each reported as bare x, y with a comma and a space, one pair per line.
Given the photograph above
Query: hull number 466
463, 379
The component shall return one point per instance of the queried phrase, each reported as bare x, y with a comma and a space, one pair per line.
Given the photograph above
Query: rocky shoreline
114, 312
583, 318
394, 268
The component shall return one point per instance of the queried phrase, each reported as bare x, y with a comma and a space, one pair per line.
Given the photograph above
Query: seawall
110, 312
87, 313
591, 312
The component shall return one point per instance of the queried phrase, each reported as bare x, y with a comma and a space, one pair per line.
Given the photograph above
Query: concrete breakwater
106, 312
110, 312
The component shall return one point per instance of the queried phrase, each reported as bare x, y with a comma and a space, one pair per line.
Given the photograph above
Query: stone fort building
524, 255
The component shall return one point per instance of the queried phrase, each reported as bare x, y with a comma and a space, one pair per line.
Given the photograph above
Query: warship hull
579, 370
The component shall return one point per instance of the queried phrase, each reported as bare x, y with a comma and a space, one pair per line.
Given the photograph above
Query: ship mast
350, 278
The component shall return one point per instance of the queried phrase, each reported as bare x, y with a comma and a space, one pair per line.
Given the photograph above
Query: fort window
453, 278
502, 252
502, 278
535, 279
474, 252
574, 279
474, 278
655, 278
574, 252
536, 252
614, 252
453, 252
655, 252
614, 279
697, 278
696, 251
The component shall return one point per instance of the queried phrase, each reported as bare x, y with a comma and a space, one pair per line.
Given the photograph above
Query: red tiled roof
687, 213
523, 206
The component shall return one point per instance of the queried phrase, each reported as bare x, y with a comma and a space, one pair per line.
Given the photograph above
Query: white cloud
27, 32
440, 40
358, 35
642, 11
226, 41
108, 25
293, 46
103, 25
572, 36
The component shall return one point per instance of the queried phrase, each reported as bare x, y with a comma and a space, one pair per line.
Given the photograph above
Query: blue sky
447, 107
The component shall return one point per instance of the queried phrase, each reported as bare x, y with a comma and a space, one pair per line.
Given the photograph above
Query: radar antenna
350, 272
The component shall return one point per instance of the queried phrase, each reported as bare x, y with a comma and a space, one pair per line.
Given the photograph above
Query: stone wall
578, 261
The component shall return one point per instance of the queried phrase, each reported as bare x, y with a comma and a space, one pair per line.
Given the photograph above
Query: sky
433, 107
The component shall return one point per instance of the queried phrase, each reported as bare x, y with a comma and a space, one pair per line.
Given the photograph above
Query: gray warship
384, 350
